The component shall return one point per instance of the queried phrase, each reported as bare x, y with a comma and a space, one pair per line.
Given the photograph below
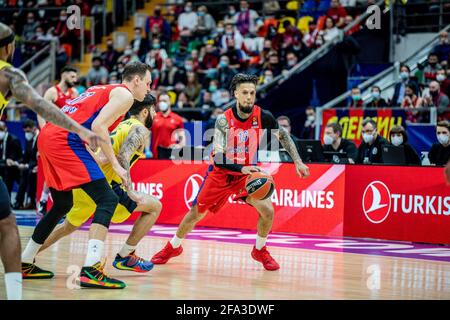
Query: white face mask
440, 77
2, 135
368, 138
443, 138
163, 106
327, 139
29, 136
311, 118
397, 140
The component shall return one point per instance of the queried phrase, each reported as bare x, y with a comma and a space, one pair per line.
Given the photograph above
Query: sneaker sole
165, 261
37, 277
97, 286
132, 269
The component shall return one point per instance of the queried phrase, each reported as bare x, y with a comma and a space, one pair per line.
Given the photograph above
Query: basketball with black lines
259, 185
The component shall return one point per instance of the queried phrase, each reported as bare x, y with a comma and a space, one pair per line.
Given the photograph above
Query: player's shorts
83, 206
5, 206
66, 163
217, 187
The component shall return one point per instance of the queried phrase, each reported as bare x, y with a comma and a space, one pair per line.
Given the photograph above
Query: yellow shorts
84, 207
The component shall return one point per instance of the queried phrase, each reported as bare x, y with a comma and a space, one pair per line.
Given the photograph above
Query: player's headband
7, 40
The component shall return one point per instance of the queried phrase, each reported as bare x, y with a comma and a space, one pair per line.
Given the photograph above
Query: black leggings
5, 205
99, 191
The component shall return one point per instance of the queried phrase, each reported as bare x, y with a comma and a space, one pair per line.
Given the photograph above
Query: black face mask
157, 13
434, 93
433, 64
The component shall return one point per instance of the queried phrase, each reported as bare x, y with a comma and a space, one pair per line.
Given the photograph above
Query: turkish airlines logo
376, 202
191, 189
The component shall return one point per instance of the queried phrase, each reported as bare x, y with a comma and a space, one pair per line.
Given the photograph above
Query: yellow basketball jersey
3, 101
118, 136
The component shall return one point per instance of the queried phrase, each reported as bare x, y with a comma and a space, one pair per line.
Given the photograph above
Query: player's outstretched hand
302, 169
250, 169
91, 138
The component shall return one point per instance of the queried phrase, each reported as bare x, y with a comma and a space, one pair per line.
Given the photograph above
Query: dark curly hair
242, 78
138, 106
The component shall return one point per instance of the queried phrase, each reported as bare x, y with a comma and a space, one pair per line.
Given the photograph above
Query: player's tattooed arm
220, 134
23, 92
135, 141
286, 141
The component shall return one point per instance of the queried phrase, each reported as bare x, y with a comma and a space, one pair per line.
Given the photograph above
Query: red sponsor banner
397, 203
311, 206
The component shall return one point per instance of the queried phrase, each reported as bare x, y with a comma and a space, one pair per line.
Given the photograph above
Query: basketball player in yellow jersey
128, 141
13, 83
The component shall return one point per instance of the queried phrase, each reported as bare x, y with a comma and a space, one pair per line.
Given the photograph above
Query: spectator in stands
355, 98
225, 73
412, 101
139, 44
97, 74
333, 142
400, 87
28, 168
444, 82
205, 101
30, 26
440, 152
273, 64
231, 34
157, 24
230, 16
205, 23
267, 77
291, 60
10, 156
167, 130
331, 31
271, 7
369, 150
157, 56
193, 88
285, 122
128, 56
211, 123
442, 50
376, 100
235, 56
188, 19
399, 137
246, 19
170, 74
300, 49
114, 78
436, 98
110, 56
183, 101
337, 12
431, 68
309, 128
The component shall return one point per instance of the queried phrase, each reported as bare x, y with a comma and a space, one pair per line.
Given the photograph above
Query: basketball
259, 185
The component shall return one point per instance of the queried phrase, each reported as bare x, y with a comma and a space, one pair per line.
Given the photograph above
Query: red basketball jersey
62, 98
243, 137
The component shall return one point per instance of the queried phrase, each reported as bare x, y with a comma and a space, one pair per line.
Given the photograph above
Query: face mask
30, 20
434, 93
319, 42
2, 135
397, 140
137, 35
163, 106
404, 75
128, 52
368, 138
291, 63
440, 77
187, 9
232, 12
356, 97
443, 138
223, 64
29, 136
110, 46
433, 64
201, 14
327, 139
156, 46
375, 95
212, 88
188, 67
267, 79
63, 18
40, 34
220, 30
311, 118
157, 13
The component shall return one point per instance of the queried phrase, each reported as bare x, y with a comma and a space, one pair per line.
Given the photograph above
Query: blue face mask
375, 95
223, 64
201, 14
212, 88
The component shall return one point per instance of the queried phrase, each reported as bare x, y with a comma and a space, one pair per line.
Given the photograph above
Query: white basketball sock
95, 252
13, 284
30, 251
176, 242
126, 250
260, 242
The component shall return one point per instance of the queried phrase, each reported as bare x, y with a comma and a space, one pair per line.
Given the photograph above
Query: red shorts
218, 185
66, 163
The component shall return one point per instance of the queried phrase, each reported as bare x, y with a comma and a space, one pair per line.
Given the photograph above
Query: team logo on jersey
255, 122
243, 136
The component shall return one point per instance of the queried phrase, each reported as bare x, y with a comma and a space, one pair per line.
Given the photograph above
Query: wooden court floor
218, 270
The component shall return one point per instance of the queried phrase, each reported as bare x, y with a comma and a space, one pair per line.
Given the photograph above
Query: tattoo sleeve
220, 145
288, 144
135, 141
23, 92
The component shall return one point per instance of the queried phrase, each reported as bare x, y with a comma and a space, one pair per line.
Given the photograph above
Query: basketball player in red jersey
13, 83
62, 91
58, 94
237, 137
67, 165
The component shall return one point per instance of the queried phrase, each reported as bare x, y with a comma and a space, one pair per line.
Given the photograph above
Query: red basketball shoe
166, 253
265, 258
